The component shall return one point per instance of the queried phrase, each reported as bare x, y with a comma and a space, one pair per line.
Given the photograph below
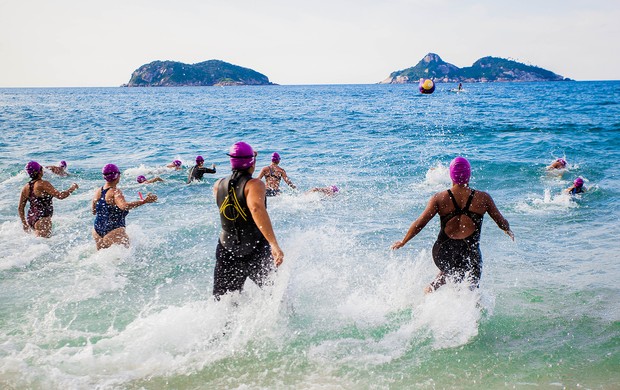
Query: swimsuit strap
471, 197
456, 206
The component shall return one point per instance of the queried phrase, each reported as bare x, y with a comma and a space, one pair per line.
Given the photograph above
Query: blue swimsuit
109, 216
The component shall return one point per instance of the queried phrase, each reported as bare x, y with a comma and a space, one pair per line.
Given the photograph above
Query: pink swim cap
141, 179
242, 156
460, 170
578, 182
63, 164
199, 159
33, 168
275, 157
177, 163
334, 189
110, 172
562, 162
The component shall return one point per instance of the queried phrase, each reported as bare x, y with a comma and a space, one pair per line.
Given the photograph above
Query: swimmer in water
39, 193
576, 188
329, 191
110, 209
143, 180
60, 170
198, 170
273, 174
247, 246
560, 163
457, 250
176, 164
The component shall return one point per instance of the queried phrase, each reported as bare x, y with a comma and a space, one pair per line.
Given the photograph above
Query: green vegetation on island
207, 73
487, 69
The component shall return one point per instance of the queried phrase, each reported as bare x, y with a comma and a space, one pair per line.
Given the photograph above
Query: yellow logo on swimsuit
230, 208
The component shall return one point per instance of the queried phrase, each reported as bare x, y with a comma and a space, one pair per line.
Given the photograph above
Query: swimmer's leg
229, 274
43, 227
117, 236
262, 266
439, 281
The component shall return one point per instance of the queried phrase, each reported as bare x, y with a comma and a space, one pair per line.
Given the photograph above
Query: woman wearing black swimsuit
457, 250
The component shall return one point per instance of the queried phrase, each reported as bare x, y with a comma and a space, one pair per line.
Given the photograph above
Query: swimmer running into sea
457, 250
39, 193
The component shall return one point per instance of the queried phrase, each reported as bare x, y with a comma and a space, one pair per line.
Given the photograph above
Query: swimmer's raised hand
150, 198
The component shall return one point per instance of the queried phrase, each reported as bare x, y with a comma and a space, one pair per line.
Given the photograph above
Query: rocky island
486, 69
207, 73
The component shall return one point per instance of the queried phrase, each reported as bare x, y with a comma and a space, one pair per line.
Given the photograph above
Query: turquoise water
345, 312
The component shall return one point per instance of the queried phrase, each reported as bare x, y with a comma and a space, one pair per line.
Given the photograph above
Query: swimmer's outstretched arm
121, 203
429, 212
499, 219
50, 189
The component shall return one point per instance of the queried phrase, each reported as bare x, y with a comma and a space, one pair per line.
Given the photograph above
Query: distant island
207, 73
486, 69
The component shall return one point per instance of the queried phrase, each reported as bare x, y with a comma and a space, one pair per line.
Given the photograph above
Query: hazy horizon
68, 43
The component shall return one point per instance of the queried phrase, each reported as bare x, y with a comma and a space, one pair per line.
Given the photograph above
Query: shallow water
344, 310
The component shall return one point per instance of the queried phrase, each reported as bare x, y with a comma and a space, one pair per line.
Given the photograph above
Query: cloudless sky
100, 43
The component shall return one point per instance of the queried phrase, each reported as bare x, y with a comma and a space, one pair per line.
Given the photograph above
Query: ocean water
344, 311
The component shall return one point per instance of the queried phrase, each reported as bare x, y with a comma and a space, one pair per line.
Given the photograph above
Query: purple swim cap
177, 163
334, 189
275, 157
199, 159
562, 162
242, 156
63, 164
33, 168
110, 172
578, 182
141, 179
460, 170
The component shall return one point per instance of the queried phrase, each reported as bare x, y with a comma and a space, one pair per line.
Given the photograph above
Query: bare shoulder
440, 196
26, 189
483, 196
44, 185
255, 183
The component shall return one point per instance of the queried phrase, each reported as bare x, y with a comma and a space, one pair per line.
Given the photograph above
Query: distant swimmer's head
334, 189
460, 170
177, 163
199, 159
33, 168
242, 156
578, 183
561, 162
63, 164
110, 172
141, 179
275, 157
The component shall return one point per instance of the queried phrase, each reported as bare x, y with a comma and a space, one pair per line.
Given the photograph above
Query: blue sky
87, 43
